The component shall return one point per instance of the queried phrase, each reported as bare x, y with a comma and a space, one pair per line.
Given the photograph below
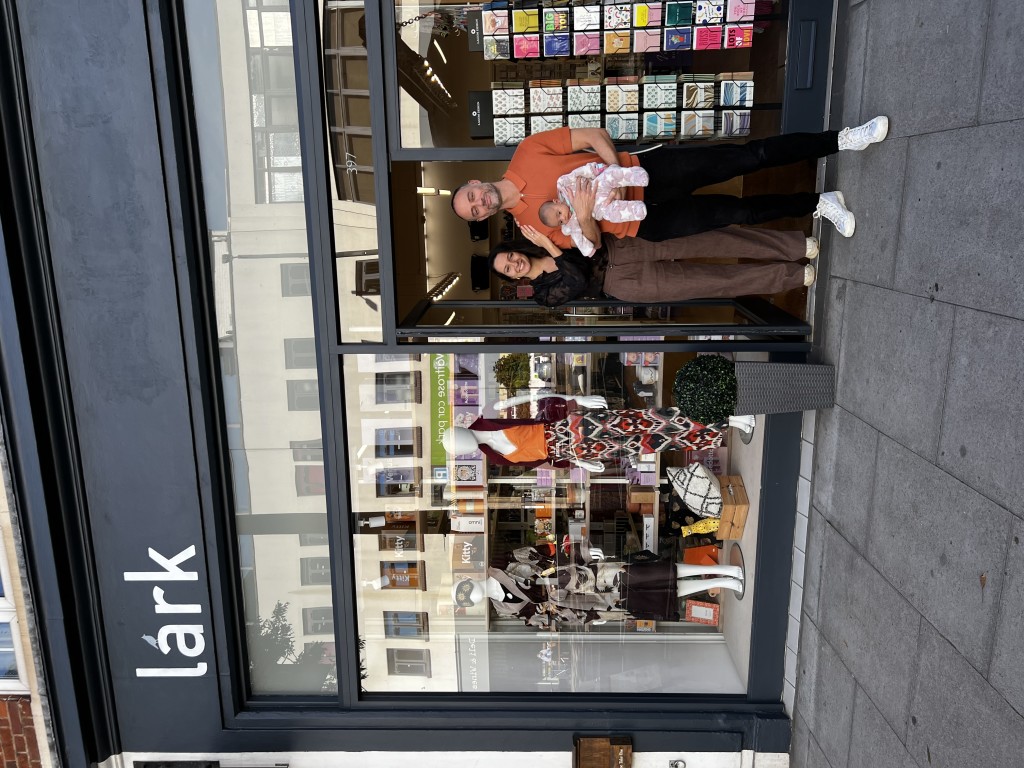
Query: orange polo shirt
537, 164
530, 441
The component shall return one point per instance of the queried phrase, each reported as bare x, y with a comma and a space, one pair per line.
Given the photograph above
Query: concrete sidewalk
912, 636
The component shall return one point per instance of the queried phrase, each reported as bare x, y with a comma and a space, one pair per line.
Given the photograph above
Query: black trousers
678, 170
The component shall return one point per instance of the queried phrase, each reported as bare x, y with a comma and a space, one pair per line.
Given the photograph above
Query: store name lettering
188, 639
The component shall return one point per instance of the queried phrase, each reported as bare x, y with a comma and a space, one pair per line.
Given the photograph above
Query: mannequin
535, 589
583, 439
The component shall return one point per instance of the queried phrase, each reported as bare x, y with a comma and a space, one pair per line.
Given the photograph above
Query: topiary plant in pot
705, 389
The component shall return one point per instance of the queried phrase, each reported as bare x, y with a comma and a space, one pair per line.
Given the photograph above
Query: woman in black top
638, 271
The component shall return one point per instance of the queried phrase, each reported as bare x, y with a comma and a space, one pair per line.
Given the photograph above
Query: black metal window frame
374, 721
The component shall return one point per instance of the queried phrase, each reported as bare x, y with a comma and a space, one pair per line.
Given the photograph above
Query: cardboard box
735, 506
642, 494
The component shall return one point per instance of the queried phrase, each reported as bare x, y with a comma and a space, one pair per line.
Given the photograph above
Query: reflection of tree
275, 665
512, 371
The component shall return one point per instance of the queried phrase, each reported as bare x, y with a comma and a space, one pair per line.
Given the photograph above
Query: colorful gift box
586, 43
555, 20
591, 120
707, 38
647, 14
617, 42
617, 16
736, 93
739, 35
540, 123
701, 612
659, 125
646, 40
739, 10
708, 12
495, 22
526, 46
678, 14
496, 48
622, 98
546, 100
586, 17
699, 95
526, 20
696, 123
508, 101
509, 130
556, 44
623, 127
659, 96
735, 122
583, 98
678, 38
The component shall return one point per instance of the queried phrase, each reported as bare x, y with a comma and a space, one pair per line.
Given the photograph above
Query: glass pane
455, 62
8, 665
252, 180
524, 569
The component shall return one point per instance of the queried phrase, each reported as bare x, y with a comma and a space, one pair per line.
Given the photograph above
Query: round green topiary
705, 389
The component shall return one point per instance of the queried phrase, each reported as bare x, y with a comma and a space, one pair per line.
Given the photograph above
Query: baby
559, 213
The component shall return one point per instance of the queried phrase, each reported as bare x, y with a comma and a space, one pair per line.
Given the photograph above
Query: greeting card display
622, 98
697, 123
539, 123
527, 20
735, 122
584, 121
556, 20
659, 125
699, 95
509, 130
617, 41
739, 35
623, 127
586, 17
646, 40
647, 14
678, 38
556, 45
739, 10
678, 14
586, 43
660, 95
496, 48
495, 22
526, 46
583, 98
736, 93
617, 16
546, 99
707, 38
508, 101
708, 12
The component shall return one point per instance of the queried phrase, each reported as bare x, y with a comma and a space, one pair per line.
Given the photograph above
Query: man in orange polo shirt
676, 171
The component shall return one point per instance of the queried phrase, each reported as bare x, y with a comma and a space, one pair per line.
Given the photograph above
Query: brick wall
18, 746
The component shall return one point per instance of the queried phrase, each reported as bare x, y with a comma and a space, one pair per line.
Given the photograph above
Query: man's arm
596, 139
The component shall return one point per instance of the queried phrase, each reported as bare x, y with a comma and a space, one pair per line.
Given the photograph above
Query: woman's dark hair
525, 247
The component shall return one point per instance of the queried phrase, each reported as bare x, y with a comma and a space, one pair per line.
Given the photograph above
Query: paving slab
872, 741
816, 525
962, 218
981, 427
832, 323
956, 718
844, 475
942, 545
924, 63
830, 712
798, 743
871, 626
872, 185
1008, 652
851, 43
1004, 59
893, 363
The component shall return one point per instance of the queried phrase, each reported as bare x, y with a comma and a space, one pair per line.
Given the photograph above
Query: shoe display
872, 132
809, 275
832, 206
812, 248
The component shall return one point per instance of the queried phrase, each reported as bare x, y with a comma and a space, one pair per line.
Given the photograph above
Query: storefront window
494, 73
475, 575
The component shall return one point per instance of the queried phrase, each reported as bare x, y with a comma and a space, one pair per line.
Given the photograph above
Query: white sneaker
858, 138
832, 206
812, 248
809, 275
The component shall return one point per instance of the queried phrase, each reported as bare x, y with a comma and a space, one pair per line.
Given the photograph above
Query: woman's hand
540, 239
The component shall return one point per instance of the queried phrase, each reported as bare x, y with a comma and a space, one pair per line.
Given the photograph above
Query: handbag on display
698, 489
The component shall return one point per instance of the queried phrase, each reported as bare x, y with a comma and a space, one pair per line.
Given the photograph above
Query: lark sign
181, 637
